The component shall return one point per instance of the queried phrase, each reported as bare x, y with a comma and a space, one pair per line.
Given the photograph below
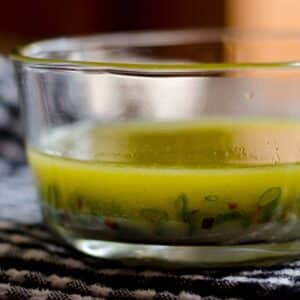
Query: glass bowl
174, 149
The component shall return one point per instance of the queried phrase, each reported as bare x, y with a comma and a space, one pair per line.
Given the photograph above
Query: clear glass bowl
176, 149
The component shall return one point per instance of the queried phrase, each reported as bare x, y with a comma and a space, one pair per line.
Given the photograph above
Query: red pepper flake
255, 217
232, 206
111, 224
79, 203
185, 219
207, 223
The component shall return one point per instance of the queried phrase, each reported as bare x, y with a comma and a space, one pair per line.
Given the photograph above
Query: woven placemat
34, 265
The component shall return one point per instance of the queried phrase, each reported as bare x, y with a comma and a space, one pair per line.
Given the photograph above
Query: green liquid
199, 182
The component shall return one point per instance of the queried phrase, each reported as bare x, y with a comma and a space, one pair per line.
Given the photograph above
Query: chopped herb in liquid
173, 176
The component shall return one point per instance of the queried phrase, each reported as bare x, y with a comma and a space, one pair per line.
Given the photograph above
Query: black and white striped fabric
35, 266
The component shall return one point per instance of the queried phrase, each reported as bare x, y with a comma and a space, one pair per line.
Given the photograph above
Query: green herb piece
242, 217
183, 212
181, 204
269, 204
211, 198
269, 211
270, 195
154, 215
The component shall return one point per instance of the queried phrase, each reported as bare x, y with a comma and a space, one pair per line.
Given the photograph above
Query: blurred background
23, 21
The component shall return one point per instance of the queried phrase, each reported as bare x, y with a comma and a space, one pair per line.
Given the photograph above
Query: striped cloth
36, 266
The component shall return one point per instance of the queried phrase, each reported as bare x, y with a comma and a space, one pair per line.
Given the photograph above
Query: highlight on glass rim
175, 148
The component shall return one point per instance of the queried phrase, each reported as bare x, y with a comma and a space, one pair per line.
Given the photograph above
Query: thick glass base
190, 256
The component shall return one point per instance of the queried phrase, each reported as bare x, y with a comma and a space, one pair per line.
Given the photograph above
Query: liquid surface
210, 144
175, 182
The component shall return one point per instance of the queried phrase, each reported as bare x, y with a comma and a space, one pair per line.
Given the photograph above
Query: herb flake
270, 195
269, 205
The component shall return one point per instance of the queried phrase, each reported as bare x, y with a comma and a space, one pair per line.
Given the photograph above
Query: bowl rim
28, 54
